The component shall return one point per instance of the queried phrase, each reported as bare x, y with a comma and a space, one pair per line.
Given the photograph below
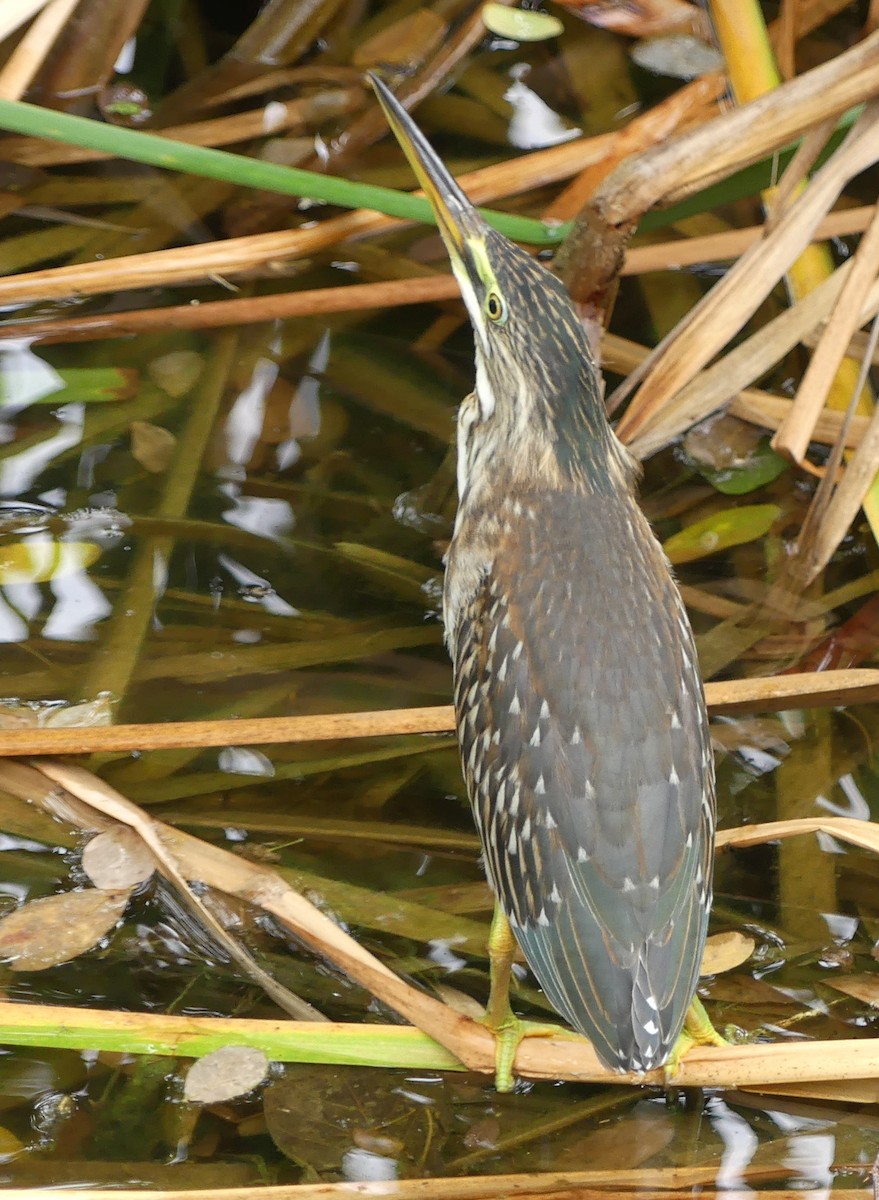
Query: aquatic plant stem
158, 151
115, 661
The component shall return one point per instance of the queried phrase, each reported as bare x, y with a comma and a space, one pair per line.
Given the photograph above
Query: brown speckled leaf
54, 930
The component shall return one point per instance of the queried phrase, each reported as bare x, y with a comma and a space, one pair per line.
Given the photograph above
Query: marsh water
250, 521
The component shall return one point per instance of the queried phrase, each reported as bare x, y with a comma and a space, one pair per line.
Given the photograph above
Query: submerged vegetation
230, 356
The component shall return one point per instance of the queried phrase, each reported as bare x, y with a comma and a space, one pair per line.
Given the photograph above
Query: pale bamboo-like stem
807, 690
660, 256
567, 1057
736, 297
15, 13
793, 438
672, 1183
31, 51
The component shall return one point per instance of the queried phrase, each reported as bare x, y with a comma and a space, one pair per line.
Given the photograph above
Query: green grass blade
158, 151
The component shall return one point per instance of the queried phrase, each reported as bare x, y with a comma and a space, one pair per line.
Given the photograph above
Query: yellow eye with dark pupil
494, 306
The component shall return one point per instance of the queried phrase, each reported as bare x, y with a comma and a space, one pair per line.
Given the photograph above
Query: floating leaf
152, 446
679, 56
760, 468
176, 373
117, 859
861, 987
40, 561
44, 933
67, 385
518, 25
732, 527
226, 1073
725, 951
56, 714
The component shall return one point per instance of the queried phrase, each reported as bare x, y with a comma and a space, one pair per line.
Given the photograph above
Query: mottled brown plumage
580, 713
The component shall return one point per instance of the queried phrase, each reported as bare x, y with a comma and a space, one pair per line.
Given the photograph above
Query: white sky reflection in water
245, 420
263, 593
534, 124
18, 474
24, 377
739, 1144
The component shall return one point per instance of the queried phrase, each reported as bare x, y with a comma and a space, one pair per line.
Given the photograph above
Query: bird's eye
495, 308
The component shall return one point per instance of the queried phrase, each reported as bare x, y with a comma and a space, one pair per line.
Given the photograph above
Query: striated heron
580, 712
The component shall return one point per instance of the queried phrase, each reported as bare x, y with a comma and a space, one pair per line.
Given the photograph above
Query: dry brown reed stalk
82, 798
188, 263
833, 509
738, 138
734, 696
671, 1183
793, 438
371, 125
246, 310
661, 256
723, 311
707, 154
30, 53
690, 105
703, 392
723, 384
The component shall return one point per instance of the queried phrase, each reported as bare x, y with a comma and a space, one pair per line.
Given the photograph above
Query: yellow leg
697, 1031
499, 1017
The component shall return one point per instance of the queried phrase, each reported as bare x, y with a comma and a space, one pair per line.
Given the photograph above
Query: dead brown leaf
44, 933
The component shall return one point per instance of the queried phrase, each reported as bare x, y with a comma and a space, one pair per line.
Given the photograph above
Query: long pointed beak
455, 215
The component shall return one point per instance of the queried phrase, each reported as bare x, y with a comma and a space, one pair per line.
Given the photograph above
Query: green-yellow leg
507, 1028
697, 1031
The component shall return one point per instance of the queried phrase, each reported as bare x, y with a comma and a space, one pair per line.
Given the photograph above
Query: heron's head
537, 398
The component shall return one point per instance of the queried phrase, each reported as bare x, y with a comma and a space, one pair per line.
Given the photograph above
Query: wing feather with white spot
586, 755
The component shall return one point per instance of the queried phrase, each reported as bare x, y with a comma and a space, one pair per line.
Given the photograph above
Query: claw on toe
508, 1032
697, 1031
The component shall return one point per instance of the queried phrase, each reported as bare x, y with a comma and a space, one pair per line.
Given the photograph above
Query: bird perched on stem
580, 711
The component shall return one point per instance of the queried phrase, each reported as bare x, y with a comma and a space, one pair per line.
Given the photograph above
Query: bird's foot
697, 1031
508, 1032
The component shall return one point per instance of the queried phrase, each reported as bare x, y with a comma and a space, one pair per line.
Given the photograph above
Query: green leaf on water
23, 387
761, 467
732, 527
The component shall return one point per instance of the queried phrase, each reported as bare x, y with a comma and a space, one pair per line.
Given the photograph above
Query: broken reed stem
672, 1183
84, 798
730, 303
661, 256
28, 56
792, 439
807, 690
185, 264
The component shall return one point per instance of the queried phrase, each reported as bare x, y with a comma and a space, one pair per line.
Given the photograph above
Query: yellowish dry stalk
809, 689
793, 438
30, 53
724, 310
84, 797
